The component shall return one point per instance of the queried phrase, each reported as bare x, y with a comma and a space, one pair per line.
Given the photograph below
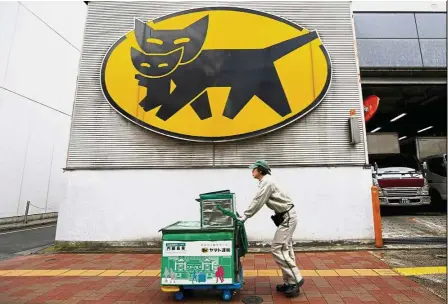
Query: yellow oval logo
216, 74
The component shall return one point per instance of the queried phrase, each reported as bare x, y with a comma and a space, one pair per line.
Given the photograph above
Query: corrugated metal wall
101, 138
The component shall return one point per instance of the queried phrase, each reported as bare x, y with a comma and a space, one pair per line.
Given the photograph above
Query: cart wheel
227, 295
179, 296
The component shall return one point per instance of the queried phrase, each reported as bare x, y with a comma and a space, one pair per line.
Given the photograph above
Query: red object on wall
370, 106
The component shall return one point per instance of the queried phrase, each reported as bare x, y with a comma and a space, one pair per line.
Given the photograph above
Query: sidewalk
331, 277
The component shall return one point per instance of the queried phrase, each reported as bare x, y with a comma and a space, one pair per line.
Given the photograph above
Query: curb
155, 246
157, 250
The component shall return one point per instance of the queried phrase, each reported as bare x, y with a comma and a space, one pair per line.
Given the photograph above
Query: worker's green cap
260, 163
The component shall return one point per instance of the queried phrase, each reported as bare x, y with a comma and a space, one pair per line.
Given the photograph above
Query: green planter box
192, 255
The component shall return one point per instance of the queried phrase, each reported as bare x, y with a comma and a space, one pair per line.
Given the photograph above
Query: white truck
398, 176
431, 151
423, 147
435, 173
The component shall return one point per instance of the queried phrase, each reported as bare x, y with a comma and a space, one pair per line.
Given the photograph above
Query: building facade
126, 182
40, 47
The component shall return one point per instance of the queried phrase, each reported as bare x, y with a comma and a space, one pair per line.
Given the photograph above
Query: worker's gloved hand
242, 218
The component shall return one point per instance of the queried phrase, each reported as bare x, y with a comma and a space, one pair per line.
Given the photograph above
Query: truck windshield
394, 160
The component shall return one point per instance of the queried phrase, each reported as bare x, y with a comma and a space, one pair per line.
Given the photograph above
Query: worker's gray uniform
282, 249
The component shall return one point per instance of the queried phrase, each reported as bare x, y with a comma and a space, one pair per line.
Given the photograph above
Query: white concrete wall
40, 46
131, 205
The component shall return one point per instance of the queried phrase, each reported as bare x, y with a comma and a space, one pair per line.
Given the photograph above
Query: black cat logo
173, 65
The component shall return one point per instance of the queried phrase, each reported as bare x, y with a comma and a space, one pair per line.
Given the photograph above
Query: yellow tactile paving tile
35, 273
73, 272
250, 273
411, 271
18, 272
385, 272
309, 273
130, 273
327, 273
366, 272
346, 272
4, 272
92, 273
405, 271
267, 273
149, 273
111, 273
55, 272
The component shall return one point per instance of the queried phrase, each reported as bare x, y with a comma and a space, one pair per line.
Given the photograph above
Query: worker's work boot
281, 287
292, 290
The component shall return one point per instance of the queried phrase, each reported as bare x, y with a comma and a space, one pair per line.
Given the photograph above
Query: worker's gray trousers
282, 249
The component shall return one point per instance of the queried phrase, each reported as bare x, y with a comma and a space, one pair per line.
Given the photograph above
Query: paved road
409, 222
436, 283
409, 227
13, 242
410, 210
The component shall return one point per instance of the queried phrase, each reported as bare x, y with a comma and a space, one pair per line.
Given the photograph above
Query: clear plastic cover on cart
212, 217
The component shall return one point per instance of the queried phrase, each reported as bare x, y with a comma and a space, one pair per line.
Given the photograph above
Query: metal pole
25, 220
377, 226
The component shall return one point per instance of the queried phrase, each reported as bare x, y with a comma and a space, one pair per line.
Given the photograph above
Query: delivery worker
285, 219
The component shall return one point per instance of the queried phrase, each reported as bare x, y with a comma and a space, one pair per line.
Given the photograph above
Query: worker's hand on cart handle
242, 218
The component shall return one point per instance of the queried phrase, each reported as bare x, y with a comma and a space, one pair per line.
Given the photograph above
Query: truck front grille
401, 192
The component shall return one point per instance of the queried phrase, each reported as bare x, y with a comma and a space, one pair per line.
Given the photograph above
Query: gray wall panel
387, 25
433, 52
101, 138
389, 53
431, 25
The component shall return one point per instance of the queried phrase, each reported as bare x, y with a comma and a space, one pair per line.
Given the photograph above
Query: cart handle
239, 226
228, 213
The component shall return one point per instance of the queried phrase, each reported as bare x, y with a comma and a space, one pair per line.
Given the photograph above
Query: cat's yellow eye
181, 40
154, 40
145, 65
162, 65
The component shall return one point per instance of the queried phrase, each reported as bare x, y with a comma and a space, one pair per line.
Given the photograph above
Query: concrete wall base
155, 246
310, 247
332, 203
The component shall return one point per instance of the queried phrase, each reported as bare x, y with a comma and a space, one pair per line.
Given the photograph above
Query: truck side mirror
375, 166
425, 166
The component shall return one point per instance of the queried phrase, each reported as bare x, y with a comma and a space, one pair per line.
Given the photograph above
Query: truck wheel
436, 201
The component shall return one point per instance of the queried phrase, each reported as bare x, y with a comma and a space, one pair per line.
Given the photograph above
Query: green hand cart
200, 255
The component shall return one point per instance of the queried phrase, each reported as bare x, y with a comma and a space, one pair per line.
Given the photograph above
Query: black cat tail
281, 49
